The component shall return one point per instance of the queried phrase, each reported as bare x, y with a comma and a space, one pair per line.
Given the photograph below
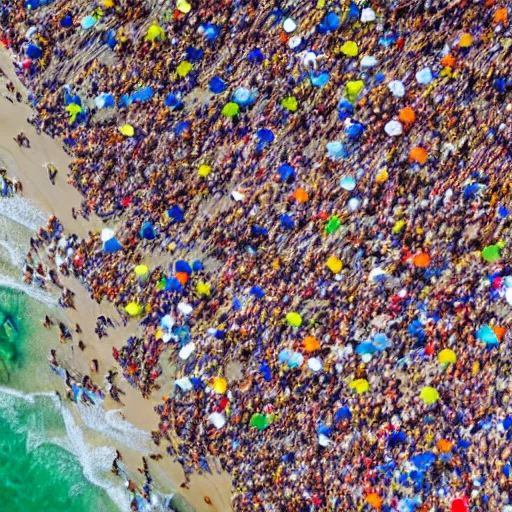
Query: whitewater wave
23, 212
36, 293
14, 253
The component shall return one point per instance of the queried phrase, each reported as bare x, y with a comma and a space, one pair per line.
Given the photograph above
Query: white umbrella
294, 42
397, 88
185, 384
368, 15
368, 61
289, 25
424, 76
237, 196
353, 204
315, 364
323, 440
376, 274
393, 128
508, 295
185, 308
187, 350
107, 234
217, 419
348, 183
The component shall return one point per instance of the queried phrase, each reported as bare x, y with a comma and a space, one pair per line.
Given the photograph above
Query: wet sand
27, 165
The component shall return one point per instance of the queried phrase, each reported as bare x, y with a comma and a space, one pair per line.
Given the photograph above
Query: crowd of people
320, 193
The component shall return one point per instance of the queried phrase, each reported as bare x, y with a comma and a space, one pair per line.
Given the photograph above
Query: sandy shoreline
27, 166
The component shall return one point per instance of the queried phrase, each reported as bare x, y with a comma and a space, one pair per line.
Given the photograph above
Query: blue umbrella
336, 150
194, 54
182, 127
343, 414
256, 56
176, 214
173, 285
332, 21
125, 100
143, 94
487, 335
33, 51
210, 31
147, 231
265, 135
423, 460
396, 438
197, 265
111, 39
257, 292
345, 109
217, 85
354, 130
173, 102
257, 231
319, 80
284, 356
67, 21
381, 342
366, 347
236, 304
183, 266
286, 172
112, 245
287, 222
244, 96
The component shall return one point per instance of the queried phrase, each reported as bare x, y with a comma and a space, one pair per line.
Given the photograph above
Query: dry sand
27, 165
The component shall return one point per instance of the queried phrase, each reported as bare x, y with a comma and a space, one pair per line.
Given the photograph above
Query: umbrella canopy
141, 270
290, 103
348, 183
407, 115
155, 32
487, 335
258, 421
397, 88
393, 128
112, 245
127, 130
359, 386
350, 49
133, 309
88, 22
334, 264
333, 224
231, 109
310, 344
421, 260
418, 154
429, 395
220, 385
217, 419
217, 85
491, 253
301, 195
447, 356
294, 319
184, 68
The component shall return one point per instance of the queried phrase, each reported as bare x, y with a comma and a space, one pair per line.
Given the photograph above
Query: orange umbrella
421, 260
301, 195
444, 446
448, 60
374, 500
182, 277
407, 115
311, 344
418, 154
499, 331
500, 16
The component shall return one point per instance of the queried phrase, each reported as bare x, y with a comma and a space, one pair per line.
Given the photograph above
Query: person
52, 173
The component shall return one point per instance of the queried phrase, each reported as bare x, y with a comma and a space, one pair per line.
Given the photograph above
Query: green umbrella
491, 253
333, 224
258, 421
231, 109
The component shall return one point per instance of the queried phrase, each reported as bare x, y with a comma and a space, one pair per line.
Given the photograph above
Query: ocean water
51, 459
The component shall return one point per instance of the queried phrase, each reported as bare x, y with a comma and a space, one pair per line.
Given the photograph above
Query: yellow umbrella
354, 87
294, 319
141, 270
127, 130
334, 264
382, 176
447, 356
204, 170
360, 385
155, 32
220, 385
350, 49
429, 395
133, 309
184, 69
203, 289
73, 110
465, 40
183, 6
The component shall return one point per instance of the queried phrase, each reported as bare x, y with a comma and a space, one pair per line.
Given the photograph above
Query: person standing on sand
52, 173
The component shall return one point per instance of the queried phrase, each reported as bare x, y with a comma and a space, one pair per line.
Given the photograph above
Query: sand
27, 165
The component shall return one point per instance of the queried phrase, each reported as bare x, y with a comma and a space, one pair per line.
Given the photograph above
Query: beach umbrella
204, 170
310, 344
88, 22
185, 309
265, 136
424, 76
350, 49
220, 385
203, 289
348, 183
359, 386
172, 101
33, 51
107, 234
287, 222
424, 460
127, 130
466, 40
353, 204
257, 292
343, 414
256, 55
294, 319
258, 421
185, 384
319, 80
242, 97
143, 94
284, 356
217, 419
336, 150
301, 195
176, 214
374, 500
366, 347
429, 395
289, 25
368, 15
66, 21
104, 100
184, 68
290, 103
333, 224
147, 232
353, 88
296, 359
460, 505
183, 6
419, 155
421, 260
323, 440
487, 335
407, 115
447, 356
182, 277
141, 270
286, 172
354, 131
397, 88
368, 61
334, 264
491, 253
133, 309
73, 109
112, 245
194, 54
217, 85
155, 32
444, 446
183, 266
332, 21
186, 351
382, 176
173, 285
376, 274
393, 128
381, 342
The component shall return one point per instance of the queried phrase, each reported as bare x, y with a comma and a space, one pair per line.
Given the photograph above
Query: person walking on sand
52, 173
